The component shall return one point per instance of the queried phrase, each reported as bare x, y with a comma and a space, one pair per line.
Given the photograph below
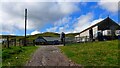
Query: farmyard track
49, 56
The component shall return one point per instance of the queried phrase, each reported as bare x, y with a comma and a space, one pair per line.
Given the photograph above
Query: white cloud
53, 29
28, 34
35, 32
61, 29
62, 21
109, 0
61, 25
83, 22
109, 5
39, 14
49, 0
64, 28
12, 34
67, 8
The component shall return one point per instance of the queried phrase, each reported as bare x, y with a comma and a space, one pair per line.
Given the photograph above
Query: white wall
84, 34
117, 32
95, 30
107, 33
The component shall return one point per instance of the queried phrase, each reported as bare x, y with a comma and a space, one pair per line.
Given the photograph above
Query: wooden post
64, 41
25, 27
14, 42
91, 34
33, 42
8, 41
19, 42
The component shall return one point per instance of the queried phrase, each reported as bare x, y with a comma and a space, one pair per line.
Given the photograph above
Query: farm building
106, 29
47, 40
40, 40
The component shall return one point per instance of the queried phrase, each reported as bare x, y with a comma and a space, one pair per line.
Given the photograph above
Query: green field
16, 56
93, 54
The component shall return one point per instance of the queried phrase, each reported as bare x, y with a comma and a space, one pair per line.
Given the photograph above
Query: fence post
15, 42
19, 42
33, 42
8, 41
3, 44
64, 41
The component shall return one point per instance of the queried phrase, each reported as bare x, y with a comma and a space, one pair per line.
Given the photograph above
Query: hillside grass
17, 56
93, 54
33, 37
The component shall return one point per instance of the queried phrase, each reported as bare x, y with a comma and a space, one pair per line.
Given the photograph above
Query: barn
106, 29
40, 40
47, 40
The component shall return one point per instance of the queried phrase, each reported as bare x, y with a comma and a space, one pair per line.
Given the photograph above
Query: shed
47, 40
40, 40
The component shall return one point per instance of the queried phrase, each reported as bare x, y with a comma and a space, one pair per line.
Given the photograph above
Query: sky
54, 16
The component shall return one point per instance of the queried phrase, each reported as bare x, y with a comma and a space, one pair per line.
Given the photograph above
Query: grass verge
17, 56
93, 54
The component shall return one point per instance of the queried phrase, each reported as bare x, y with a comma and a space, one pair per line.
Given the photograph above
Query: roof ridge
96, 24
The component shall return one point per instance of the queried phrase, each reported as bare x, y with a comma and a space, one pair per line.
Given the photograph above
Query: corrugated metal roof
40, 39
51, 38
43, 39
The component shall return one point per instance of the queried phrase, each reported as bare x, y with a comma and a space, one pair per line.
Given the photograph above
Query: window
117, 32
109, 32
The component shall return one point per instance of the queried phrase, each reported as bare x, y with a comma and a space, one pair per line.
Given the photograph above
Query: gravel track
49, 56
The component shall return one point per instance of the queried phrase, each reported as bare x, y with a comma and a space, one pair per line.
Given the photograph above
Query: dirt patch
49, 56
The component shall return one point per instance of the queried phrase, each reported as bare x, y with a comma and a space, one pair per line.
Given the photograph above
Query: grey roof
44, 39
40, 39
51, 38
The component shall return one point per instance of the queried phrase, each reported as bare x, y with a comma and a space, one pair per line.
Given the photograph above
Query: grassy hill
72, 34
51, 34
31, 37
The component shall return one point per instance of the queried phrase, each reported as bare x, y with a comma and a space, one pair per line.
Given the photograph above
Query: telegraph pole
25, 44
